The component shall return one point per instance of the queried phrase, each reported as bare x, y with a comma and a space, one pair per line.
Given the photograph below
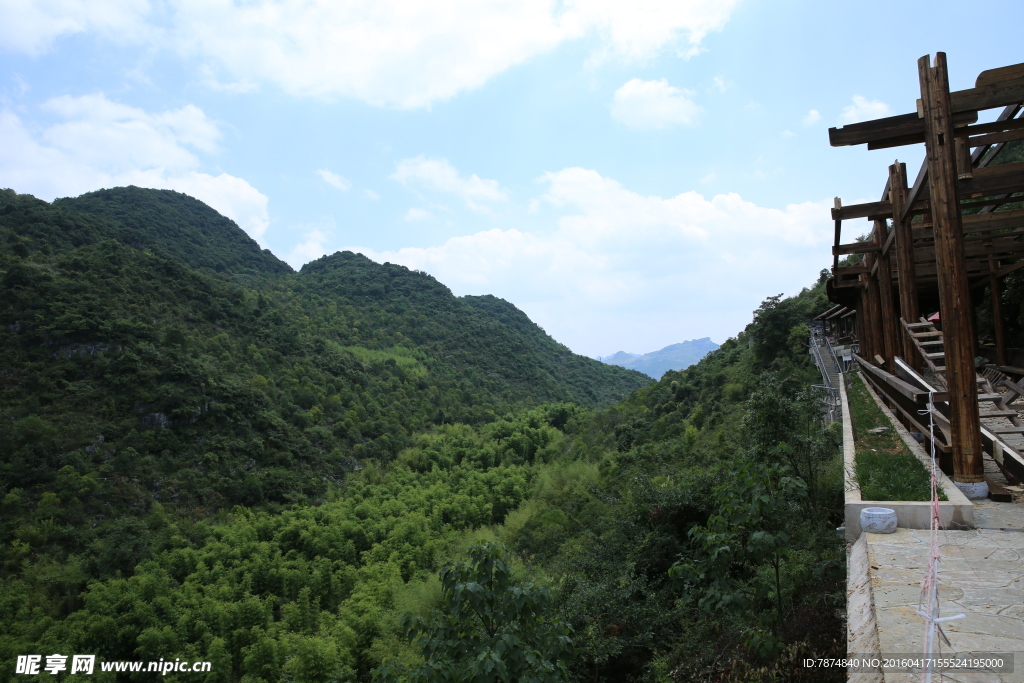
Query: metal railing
832, 351
832, 399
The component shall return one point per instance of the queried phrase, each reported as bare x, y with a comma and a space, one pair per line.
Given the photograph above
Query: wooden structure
933, 246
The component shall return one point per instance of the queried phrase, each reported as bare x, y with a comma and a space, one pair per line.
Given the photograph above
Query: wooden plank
997, 413
988, 96
1005, 430
993, 202
893, 382
1015, 390
872, 210
994, 179
1003, 123
998, 492
976, 252
986, 181
1009, 269
954, 288
993, 138
994, 220
1003, 73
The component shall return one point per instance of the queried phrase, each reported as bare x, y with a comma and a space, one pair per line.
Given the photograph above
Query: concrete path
981, 576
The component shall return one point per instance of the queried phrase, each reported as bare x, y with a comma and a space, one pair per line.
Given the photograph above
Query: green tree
751, 532
490, 630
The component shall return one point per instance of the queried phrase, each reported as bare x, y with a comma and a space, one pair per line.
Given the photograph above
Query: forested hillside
219, 459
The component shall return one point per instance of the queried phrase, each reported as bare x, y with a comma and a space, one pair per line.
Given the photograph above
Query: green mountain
672, 357
184, 229
266, 470
132, 348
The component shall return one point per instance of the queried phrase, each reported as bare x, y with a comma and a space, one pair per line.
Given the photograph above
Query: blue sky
631, 175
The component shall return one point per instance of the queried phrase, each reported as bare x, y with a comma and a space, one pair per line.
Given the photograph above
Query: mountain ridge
657, 363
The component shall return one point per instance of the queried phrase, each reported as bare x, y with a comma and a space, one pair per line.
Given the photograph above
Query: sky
629, 174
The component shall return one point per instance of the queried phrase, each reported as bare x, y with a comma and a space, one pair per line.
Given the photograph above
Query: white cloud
653, 104
98, 143
813, 116
400, 53
864, 109
719, 84
440, 176
371, 194
617, 269
32, 26
334, 180
416, 214
788, 134
311, 249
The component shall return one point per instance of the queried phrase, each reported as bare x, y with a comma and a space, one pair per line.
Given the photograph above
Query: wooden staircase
994, 410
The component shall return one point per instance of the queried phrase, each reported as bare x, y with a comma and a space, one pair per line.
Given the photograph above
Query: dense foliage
267, 470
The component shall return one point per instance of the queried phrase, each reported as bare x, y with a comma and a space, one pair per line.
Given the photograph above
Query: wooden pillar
906, 276
863, 338
887, 309
872, 312
997, 316
954, 292
870, 321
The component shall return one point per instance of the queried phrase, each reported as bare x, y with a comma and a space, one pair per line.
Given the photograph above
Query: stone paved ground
981, 575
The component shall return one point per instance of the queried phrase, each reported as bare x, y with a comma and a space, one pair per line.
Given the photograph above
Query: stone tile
981, 575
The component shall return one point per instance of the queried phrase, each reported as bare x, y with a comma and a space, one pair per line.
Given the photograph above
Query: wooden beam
1003, 73
990, 203
961, 131
918, 396
1003, 123
872, 210
988, 180
887, 310
994, 179
988, 96
837, 204
995, 290
993, 138
854, 248
904, 129
872, 311
888, 243
850, 270
954, 290
906, 278
920, 183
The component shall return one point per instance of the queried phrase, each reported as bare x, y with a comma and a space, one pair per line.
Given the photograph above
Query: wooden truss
935, 240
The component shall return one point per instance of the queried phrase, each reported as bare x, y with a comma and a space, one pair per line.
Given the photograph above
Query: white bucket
878, 520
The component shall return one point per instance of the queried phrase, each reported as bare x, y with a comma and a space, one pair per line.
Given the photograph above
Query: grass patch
886, 469
407, 359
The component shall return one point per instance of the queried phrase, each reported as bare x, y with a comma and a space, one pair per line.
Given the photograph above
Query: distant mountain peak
672, 357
